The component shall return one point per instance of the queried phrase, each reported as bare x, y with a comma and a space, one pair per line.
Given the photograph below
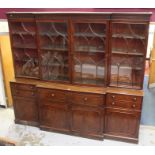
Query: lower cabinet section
87, 121
91, 115
123, 125
26, 111
54, 117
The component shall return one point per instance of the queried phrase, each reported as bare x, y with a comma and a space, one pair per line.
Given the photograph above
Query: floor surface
32, 136
148, 108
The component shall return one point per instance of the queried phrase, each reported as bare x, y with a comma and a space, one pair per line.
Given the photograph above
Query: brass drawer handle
85, 99
52, 95
113, 103
134, 99
113, 96
133, 105
32, 94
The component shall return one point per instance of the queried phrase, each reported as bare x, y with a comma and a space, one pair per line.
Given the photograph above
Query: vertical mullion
71, 42
38, 48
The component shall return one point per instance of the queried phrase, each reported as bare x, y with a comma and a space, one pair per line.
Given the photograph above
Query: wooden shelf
50, 48
49, 34
124, 86
89, 35
24, 46
24, 33
127, 36
129, 53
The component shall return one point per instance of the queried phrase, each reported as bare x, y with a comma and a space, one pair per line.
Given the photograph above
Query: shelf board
52, 34
55, 65
124, 86
89, 35
127, 36
89, 81
89, 49
125, 53
59, 78
128, 67
53, 48
28, 77
23, 33
23, 46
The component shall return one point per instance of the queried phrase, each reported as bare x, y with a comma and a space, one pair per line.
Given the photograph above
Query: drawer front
120, 97
52, 95
23, 93
123, 104
52, 103
20, 86
88, 99
124, 101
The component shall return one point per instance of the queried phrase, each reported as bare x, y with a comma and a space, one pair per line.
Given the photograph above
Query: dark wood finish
53, 95
101, 49
124, 101
74, 70
87, 99
25, 105
54, 116
87, 121
122, 124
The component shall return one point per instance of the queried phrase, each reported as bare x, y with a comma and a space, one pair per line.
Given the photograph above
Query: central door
89, 48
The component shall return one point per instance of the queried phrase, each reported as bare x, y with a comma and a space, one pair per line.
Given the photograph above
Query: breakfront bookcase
79, 73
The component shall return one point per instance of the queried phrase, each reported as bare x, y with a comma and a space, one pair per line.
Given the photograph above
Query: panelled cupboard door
24, 47
87, 121
25, 109
54, 117
54, 48
125, 124
128, 50
89, 52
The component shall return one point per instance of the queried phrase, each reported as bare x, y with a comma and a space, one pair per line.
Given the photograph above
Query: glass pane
25, 49
23, 27
24, 41
54, 66
53, 36
89, 53
129, 30
26, 63
53, 39
128, 50
124, 71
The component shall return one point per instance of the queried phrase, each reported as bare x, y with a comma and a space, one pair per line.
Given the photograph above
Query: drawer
88, 99
20, 86
51, 94
127, 98
124, 105
23, 93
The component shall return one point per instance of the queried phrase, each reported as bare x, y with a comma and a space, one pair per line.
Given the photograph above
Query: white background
77, 4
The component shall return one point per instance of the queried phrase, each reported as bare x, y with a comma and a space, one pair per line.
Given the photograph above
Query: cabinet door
87, 121
25, 109
128, 50
54, 50
24, 47
89, 48
120, 123
55, 117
